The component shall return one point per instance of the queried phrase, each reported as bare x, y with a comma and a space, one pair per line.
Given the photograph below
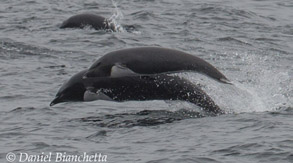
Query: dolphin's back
153, 87
154, 60
82, 20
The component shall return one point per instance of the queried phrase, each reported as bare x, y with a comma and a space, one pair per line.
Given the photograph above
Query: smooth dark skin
140, 88
153, 60
71, 90
82, 20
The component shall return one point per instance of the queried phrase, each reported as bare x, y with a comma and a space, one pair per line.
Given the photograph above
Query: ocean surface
250, 41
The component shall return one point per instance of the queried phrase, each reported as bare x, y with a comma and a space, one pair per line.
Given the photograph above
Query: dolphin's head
72, 90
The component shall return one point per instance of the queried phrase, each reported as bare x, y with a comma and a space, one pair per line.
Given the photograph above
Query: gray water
251, 42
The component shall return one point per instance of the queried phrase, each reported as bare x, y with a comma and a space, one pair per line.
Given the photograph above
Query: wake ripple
142, 118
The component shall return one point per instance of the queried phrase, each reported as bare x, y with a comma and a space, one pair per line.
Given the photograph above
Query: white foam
260, 83
255, 88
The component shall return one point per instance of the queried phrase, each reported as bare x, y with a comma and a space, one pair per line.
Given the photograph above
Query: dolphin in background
88, 19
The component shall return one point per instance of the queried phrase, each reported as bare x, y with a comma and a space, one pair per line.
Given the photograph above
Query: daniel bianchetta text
61, 157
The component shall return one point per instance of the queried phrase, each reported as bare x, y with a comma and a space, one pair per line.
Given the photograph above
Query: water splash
115, 19
246, 99
261, 83
232, 98
268, 77
274, 87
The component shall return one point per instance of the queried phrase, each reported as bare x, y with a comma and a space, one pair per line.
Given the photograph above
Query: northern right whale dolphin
151, 60
139, 88
88, 19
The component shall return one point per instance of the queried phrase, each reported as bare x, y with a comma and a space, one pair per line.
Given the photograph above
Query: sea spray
116, 18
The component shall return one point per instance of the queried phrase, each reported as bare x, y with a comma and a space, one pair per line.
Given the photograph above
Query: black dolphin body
140, 88
153, 60
153, 87
87, 19
71, 90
